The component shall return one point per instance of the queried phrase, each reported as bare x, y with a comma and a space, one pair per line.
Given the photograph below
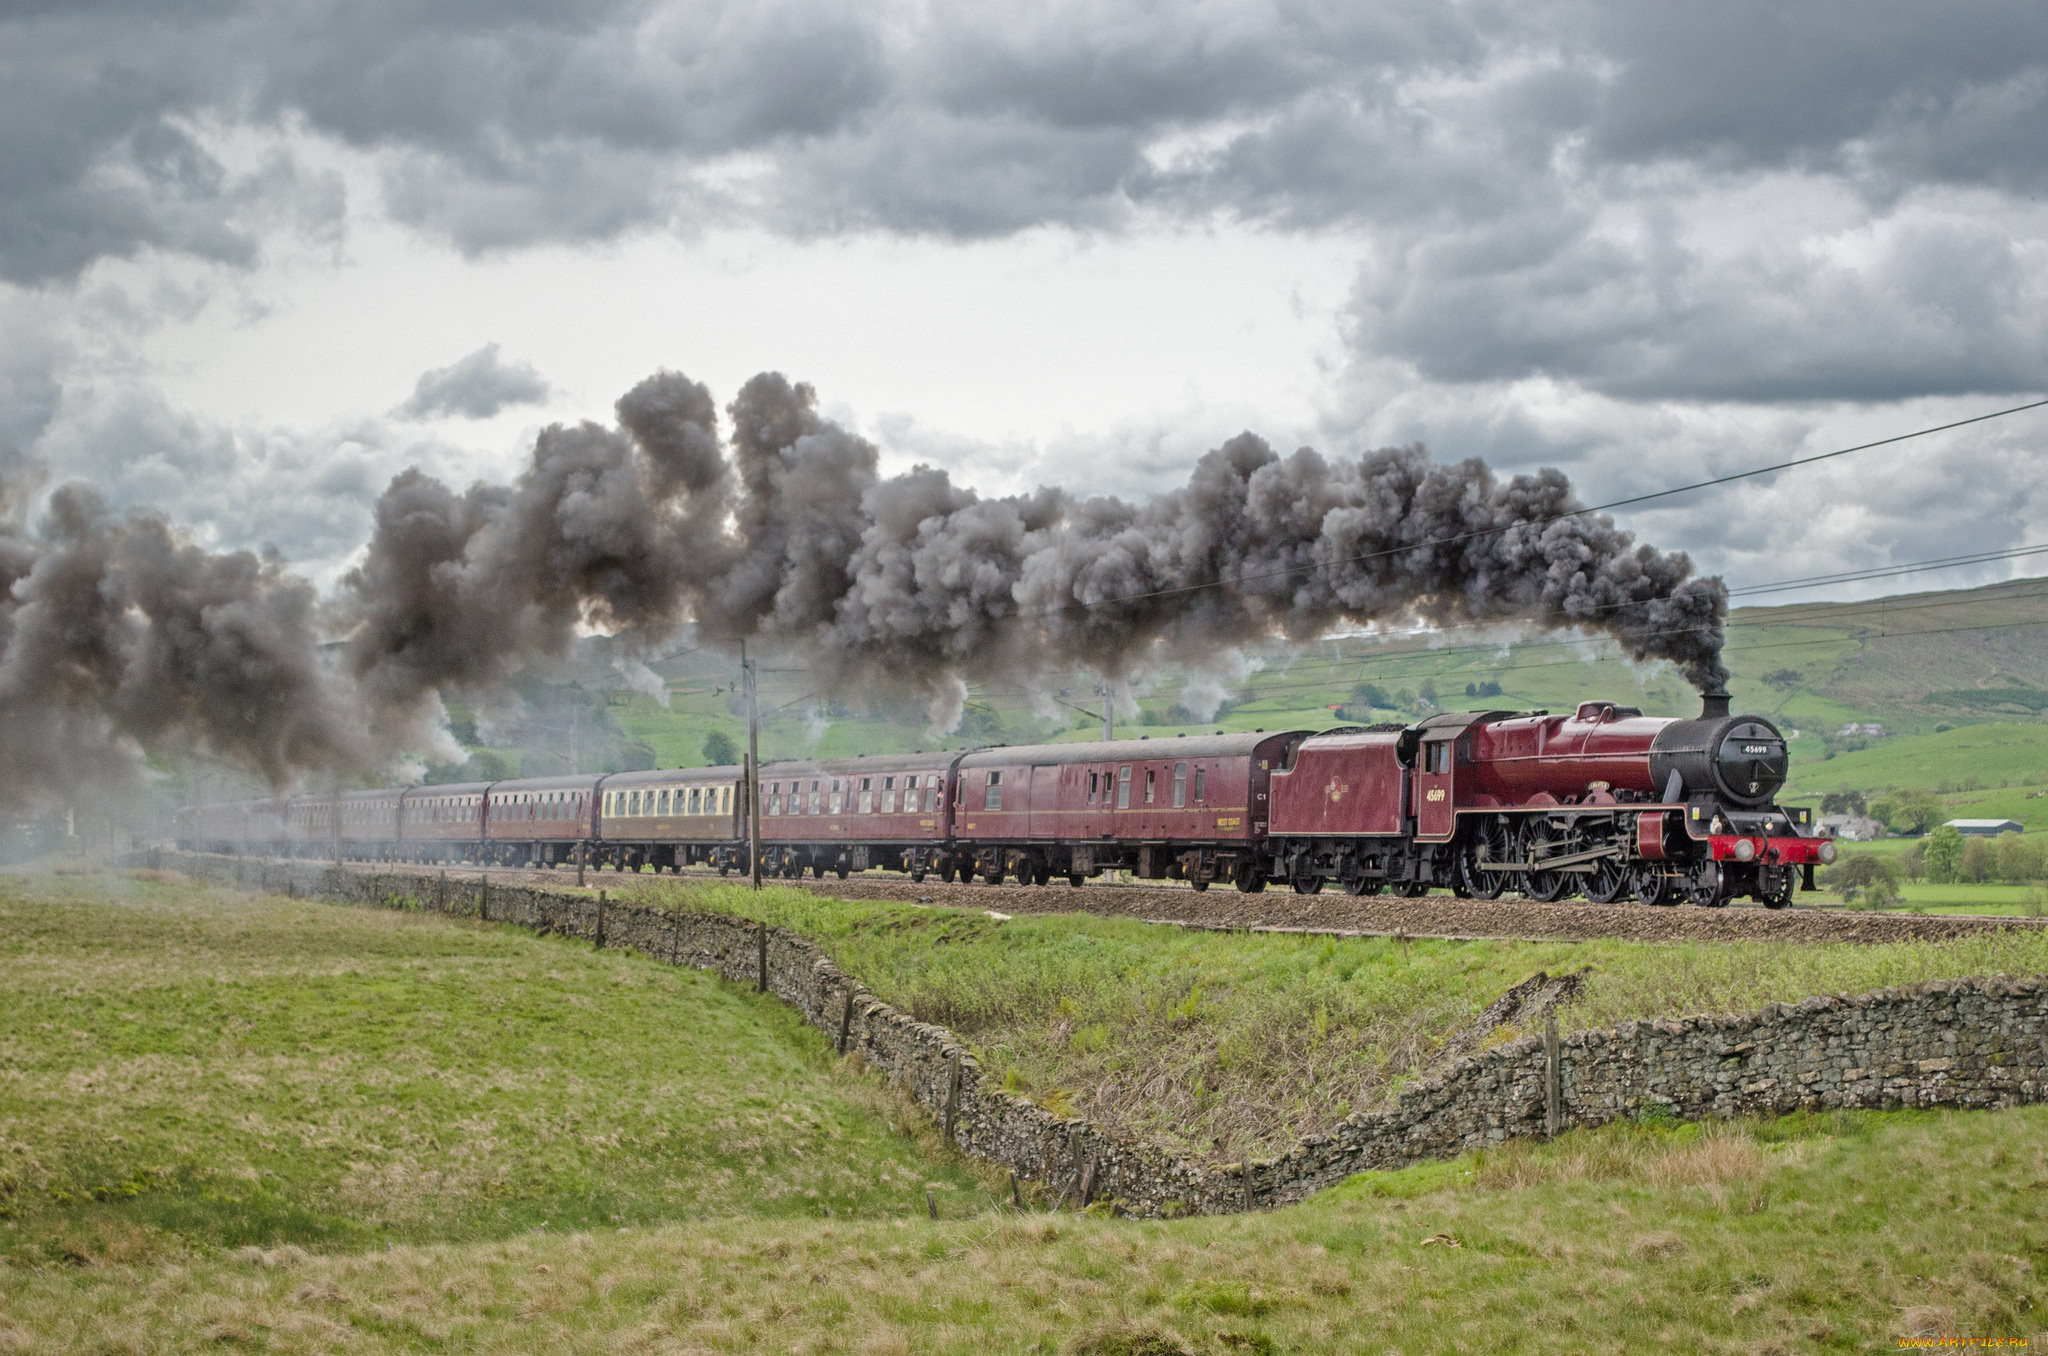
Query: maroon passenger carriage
850, 814
1604, 802
1186, 808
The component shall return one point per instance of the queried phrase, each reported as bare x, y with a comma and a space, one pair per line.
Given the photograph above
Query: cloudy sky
254, 259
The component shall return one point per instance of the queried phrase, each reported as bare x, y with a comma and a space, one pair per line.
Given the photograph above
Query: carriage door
1435, 809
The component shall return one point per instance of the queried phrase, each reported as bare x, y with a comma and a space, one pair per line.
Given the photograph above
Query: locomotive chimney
1714, 704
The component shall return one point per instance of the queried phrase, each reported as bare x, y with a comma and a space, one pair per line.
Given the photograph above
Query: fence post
846, 1020
580, 854
1553, 1111
483, 896
952, 1095
600, 920
761, 946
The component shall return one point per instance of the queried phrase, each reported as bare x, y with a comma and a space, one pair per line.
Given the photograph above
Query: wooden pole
761, 957
931, 1203
1247, 1181
600, 920
753, 780
846, 1022
952, 1095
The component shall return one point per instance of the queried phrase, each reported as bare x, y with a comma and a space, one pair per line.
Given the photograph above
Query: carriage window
817, 799
1151, 776
888, 795
992, 799
699, 799
1180, 785
1091, 787
910, 795
1123, 787
1200, 774
867, 795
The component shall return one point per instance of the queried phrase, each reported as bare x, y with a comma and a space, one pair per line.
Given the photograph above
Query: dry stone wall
1961, 1043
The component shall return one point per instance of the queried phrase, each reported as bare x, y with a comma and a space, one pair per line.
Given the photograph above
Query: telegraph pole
1108, 691
753, 769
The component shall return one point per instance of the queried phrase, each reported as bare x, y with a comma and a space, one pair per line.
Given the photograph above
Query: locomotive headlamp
1745, 850
1826, 853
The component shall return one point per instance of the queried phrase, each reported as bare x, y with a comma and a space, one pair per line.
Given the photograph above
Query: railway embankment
1953, 1043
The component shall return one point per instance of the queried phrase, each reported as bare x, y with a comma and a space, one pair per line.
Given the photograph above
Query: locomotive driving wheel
1538, 840
1308, 884
1494, 841
1363, 885
1248, 878
1609, 882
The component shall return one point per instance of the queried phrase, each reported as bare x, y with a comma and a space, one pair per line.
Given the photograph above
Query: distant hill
1914, 664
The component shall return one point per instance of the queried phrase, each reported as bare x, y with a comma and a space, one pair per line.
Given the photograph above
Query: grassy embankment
1229, 1043
180, 1062
1842, 1233
610, 1153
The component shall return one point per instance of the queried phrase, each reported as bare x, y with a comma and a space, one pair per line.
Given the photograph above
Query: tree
1913, 861
2018, 860
1371, 694
1864, 878
1980, 859
1907, 811
1844, 803
1944, 855
1427, 691
719, 750
1784, 679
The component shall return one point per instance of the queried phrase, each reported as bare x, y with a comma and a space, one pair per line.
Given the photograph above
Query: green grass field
233, 1122
183, 1063
1843, 1233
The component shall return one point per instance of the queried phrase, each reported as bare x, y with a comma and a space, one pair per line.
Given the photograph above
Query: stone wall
1962, 1043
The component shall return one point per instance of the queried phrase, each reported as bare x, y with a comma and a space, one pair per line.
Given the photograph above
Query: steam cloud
114, 636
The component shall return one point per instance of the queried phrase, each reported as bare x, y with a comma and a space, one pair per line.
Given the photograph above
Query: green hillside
1958, 680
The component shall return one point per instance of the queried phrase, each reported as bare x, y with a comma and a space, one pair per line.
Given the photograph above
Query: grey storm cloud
1533, 182
474, 387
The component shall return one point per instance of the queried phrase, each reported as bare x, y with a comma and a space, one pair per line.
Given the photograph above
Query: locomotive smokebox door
1435, 804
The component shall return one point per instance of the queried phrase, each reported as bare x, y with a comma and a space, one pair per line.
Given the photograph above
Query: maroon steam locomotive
1604, 802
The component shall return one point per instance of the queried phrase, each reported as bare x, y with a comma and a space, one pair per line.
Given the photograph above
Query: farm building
1985, 828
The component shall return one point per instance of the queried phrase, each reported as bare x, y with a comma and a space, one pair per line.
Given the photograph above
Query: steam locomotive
1605, 802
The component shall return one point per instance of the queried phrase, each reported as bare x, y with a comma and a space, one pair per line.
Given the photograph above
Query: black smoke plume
117, 637
786, 533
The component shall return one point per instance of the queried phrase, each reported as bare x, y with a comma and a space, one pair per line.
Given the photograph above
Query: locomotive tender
1605, 803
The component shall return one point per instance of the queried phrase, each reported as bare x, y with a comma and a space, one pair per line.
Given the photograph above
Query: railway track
1436, 915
